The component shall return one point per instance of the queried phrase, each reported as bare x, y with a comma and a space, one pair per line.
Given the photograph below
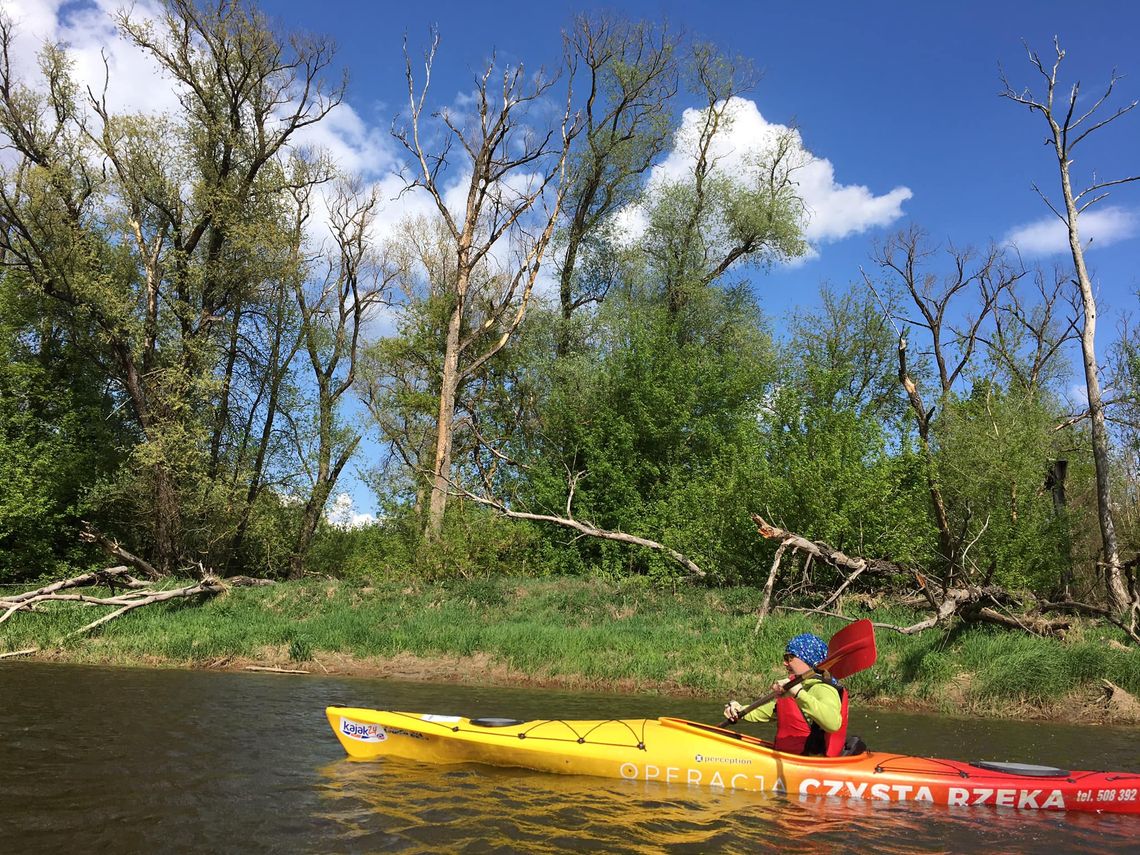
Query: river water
136, 760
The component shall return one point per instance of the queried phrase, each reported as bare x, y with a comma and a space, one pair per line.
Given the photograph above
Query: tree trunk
167, 521
566, 286
1065, 138
309, 520
448, 388
327, 475
222, 413
1115, 589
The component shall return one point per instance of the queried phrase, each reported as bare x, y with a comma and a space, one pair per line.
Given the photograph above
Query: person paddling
811, 717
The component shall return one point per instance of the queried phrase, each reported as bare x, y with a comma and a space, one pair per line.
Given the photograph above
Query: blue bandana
810, 648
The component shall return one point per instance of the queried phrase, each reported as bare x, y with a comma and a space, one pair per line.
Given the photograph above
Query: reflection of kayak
683, 752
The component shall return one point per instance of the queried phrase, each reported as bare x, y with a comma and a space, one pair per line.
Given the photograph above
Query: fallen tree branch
587, 529
835, 595
206, 586
1034, 624
274, 670
825, 553
246, 582
138, 594
1097, 611
12, 653
112, 547
903, 630
972, 603
112, 576
766, 602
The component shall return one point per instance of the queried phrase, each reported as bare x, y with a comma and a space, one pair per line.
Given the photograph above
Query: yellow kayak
676, 751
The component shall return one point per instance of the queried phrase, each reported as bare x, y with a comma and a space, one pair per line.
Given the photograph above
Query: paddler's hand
732, 711
779, 691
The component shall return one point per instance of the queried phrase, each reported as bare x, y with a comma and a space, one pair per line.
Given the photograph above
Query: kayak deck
676, 751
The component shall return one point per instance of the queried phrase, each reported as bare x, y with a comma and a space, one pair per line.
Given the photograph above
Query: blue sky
895, 96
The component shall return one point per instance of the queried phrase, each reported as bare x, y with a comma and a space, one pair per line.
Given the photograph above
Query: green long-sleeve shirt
818, 701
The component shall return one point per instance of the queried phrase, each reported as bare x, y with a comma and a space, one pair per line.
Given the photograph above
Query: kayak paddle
850, 651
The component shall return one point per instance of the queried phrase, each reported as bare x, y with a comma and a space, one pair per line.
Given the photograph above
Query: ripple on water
128, 761
408, 807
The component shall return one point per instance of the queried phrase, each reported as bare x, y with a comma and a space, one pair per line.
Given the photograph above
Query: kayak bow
674, 750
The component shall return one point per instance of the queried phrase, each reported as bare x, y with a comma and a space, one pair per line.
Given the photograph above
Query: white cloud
1050, 236
134, 80
835, 210
37, 17
136, 84
342, 514
356, 147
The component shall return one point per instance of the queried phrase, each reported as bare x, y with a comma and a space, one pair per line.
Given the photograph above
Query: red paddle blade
850, 650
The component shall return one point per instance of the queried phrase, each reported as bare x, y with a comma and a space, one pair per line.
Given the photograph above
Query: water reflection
396, 805
101, 759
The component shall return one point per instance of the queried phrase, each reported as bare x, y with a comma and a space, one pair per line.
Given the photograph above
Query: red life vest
795, 734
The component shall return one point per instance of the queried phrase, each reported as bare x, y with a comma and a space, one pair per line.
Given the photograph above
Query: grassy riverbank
586, 633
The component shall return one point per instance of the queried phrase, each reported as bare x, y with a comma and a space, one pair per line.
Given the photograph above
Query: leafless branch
587, 529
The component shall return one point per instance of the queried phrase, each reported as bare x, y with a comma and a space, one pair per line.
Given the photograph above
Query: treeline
191, 308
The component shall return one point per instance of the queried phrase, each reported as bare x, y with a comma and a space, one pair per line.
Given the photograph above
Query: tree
1067, 130
647, 432
354, 281
400, 374
1016, 404
144, 231
650, 424
903, 259
707, 222
630, 74
513, 197
838, 462
60, 431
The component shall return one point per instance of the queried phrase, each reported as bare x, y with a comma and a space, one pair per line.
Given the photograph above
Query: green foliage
59, 431
151, 385
175, 349
838, 466
663, 424
994, 450
475, 544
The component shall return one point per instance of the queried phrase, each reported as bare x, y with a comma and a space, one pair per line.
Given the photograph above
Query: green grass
589, 632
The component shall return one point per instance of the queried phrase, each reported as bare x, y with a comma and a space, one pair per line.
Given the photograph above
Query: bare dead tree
514, 194
985, 276
1067, 130
136, 594
1028, 336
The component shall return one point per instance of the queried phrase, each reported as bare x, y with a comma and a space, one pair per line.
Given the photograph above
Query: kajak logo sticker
731, 761
362, 732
